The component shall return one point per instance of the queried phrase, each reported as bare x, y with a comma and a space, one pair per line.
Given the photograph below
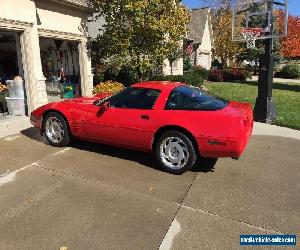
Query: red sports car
179, 123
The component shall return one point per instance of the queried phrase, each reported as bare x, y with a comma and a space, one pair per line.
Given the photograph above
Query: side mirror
105, 105
99, 102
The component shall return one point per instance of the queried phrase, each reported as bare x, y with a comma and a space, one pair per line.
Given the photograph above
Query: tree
225, 48
290, 45
139, 33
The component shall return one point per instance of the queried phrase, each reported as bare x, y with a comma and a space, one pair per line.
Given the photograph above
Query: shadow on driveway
202, 165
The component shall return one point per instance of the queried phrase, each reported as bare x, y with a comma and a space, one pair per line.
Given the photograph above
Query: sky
293, 5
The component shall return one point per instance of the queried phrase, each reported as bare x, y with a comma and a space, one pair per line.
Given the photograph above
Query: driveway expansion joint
14, 160
232, 219
179, 206
101, 183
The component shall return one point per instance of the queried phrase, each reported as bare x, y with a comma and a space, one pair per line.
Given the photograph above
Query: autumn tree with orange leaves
290, 45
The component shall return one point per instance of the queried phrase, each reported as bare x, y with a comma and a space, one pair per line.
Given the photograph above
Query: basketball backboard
269, 15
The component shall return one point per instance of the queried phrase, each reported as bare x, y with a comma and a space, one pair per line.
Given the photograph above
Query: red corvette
179, 123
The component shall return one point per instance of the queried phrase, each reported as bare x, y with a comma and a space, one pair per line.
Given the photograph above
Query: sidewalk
268, 129
278, 80
11, 125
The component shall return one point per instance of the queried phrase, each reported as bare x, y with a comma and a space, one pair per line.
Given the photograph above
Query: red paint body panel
221, 133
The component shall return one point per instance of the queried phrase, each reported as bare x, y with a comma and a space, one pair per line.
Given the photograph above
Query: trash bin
15, 106
15, 88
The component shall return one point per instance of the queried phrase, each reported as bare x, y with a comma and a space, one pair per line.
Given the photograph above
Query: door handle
145, 117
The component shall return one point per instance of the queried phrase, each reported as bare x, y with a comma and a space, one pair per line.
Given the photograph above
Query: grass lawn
286, 97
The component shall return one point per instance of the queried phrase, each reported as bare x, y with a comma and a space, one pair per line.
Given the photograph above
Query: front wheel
56, 130
175, 152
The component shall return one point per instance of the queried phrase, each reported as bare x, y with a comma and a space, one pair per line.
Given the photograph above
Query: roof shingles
197, 24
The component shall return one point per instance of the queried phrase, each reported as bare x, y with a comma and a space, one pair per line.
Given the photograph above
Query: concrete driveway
91, 196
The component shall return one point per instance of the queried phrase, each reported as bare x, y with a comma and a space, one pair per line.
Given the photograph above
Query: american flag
189, 49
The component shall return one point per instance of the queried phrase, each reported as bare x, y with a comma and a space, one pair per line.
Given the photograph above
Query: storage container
15, 88
15, 106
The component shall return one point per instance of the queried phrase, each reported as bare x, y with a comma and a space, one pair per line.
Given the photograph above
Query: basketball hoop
250, 35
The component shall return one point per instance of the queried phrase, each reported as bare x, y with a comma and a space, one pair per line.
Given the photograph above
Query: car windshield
193, 98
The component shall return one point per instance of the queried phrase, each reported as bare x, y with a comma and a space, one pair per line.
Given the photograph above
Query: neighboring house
201, 36
200, 32
42, 39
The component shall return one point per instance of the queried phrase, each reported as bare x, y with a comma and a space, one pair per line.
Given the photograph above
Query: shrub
193, 79
190, 78
110, 87
289, 71
126, 75
203, 72
157, 78
233, 74
216, 75
171, 78
187, 65
175, 78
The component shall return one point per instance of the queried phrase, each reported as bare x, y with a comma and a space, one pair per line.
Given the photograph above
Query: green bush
193, 79
126, 75
203, 72
157, 78
187, 65
175, 78
171, 78
291, 71
190, 78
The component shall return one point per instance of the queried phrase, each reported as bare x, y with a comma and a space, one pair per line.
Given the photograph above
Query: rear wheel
56, 130
175, 152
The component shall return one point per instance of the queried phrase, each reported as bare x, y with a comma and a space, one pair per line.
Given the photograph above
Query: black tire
188, 150
65, 138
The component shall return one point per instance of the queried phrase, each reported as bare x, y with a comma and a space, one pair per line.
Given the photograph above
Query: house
43, 41
200, 35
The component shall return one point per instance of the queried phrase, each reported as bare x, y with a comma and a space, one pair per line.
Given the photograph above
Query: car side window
135, 98
191, 98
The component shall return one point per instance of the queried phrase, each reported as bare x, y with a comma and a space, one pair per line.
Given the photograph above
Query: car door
128, 120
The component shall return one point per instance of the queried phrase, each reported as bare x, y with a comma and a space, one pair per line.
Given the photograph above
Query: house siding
205, 49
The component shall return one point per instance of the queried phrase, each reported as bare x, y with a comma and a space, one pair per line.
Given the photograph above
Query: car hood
87, 100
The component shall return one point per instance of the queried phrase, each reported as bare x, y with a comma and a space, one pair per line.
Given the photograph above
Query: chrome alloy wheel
54, 130
174, 153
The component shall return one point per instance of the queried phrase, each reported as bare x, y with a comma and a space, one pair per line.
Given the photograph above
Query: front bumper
36, 121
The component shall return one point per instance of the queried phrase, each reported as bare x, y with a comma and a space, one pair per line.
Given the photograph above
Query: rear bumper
222, 147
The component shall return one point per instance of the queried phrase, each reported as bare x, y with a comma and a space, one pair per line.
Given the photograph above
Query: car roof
161, 85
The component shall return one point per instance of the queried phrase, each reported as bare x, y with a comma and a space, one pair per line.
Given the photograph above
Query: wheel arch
55, 111
166, 128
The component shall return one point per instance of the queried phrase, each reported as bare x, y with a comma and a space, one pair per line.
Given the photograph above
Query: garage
10, 68
60, 66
